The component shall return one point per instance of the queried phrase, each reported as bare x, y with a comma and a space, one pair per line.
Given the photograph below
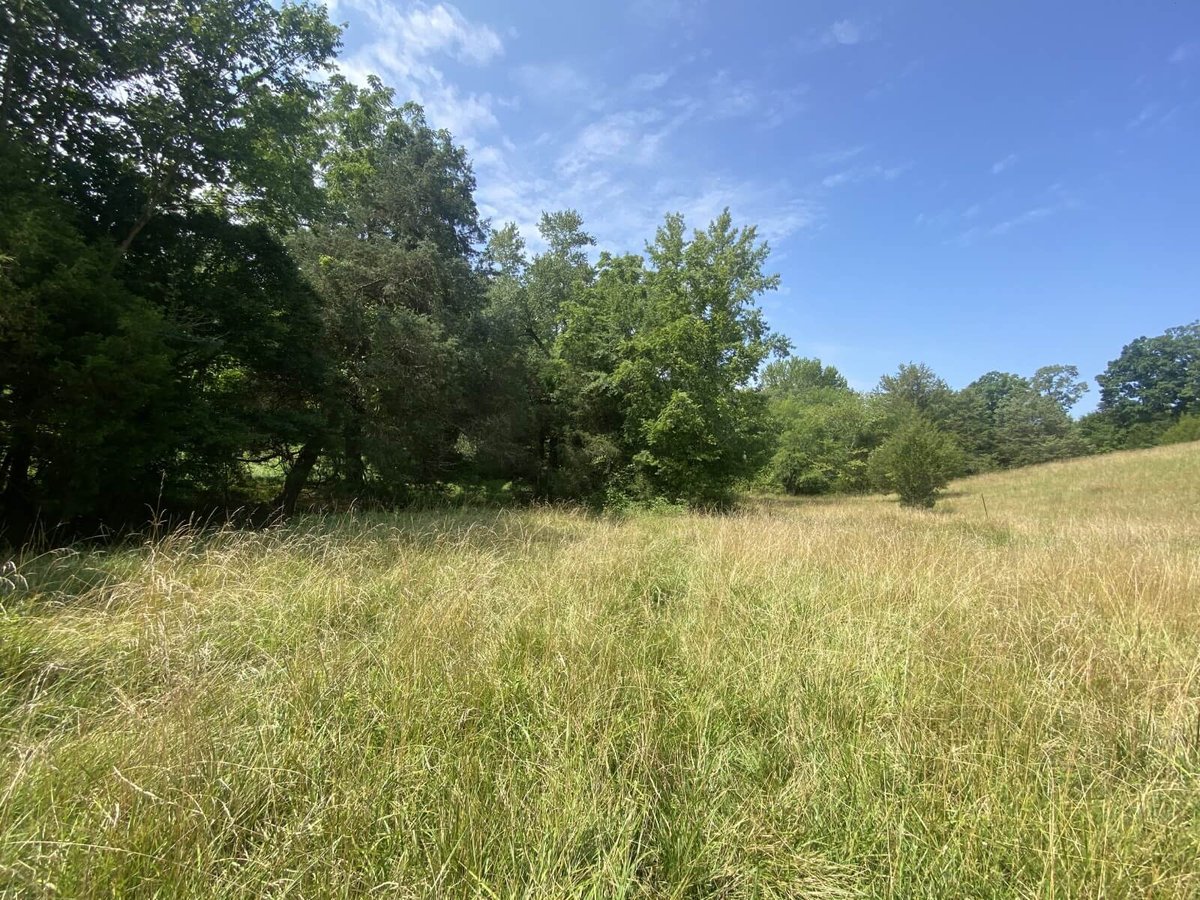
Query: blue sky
975, 185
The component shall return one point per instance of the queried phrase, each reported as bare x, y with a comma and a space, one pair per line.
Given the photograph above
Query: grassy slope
813, 699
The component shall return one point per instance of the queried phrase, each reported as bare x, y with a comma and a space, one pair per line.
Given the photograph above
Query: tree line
231, 278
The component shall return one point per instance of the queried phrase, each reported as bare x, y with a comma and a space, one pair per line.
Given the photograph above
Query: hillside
820, 698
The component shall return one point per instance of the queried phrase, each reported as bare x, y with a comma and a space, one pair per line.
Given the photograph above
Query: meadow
805, 698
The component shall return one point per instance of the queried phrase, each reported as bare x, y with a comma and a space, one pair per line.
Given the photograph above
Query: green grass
806, 699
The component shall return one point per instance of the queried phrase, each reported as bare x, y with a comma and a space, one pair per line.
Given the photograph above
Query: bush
1184, 430
916, 462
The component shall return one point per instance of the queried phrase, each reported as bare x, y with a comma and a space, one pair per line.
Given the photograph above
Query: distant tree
662, 362
1003, 420
1033, 428
1185, 429
1061, 384
798, 378
975, 413
824, 430
914, 389
1154, 377
823, 445
393, 260
916, 462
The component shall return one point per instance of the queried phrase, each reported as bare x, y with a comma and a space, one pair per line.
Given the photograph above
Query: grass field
806, 699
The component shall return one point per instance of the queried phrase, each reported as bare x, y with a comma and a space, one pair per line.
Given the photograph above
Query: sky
984, 185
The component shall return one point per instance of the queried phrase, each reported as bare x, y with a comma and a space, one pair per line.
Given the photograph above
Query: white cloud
858, 174
649, 81
551, 80
1182, 53
1027, 217
843, 32
407, 41
1004, 164
1058, 202
1152, 115
729, 99
425, 30
834, 157
627, 135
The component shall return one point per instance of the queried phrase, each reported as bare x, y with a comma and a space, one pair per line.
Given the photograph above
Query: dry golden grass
813, 699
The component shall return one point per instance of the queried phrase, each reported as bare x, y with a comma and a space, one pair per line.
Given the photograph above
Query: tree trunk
298, 477
354, 471
15, 509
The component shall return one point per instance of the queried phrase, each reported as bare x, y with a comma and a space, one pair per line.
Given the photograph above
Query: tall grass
817, 699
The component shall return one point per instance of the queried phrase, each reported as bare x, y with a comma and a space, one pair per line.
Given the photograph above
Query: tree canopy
230, 278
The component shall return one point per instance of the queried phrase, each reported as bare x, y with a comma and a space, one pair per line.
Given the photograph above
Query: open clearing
830, 698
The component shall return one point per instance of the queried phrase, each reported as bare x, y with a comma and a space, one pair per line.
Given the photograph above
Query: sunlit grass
815, 699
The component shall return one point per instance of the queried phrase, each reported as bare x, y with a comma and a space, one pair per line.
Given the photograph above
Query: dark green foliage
1186, 429
661, 359
1002, 420
392, 261
215, 262
155, 333
1154, 377
916, 462
825, 430
914, 390
85, 370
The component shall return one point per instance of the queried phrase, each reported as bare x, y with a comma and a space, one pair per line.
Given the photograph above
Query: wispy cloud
1183, 53
730, 98
1028, 217
1005, 164
1152, 115
556, 80
842, 33
649, 81
407, 41
836, 157
857, 174
1057, 203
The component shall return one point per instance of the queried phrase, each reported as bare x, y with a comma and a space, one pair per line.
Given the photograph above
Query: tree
914, 389
140, 108
660, 362
1060, 384
1154, 377
916, 462
822, 446
800, 378
85, 370
393, 260
150, 155
1186, 429
825, 430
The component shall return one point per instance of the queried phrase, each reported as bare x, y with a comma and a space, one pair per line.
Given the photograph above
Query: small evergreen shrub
916, 461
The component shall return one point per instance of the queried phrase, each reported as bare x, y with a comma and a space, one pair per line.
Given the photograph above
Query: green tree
914, 389
662, 358
1186, 429
801, 378
148, 156
824, 430
1154, 377
394, 262
85, 366
916, 461
1061, 384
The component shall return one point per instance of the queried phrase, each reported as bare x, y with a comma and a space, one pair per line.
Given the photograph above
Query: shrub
1184, 430
916, 462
